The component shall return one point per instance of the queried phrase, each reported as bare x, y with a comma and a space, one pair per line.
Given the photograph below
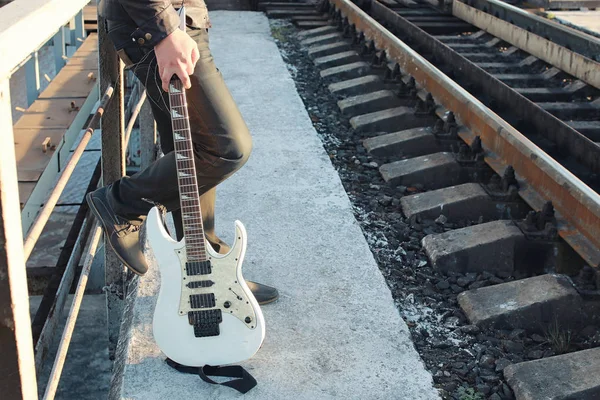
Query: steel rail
42, 218
72, 318
576, 64
562, 35
541, 177
583, 150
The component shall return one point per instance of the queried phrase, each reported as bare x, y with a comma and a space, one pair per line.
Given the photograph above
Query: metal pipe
73, 245
40, 222
133, 117
50, 327
72, 318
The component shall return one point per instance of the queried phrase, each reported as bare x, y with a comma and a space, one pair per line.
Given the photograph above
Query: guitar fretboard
186, 173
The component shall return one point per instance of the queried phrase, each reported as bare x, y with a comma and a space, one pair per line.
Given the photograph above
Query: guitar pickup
204, 300
199, 284
198, 268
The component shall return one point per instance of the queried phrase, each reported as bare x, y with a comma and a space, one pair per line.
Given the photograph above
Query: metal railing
61, 21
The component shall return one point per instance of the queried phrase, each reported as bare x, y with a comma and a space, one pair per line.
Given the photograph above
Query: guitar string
181, 127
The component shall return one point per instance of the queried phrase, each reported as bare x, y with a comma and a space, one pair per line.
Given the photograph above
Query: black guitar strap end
243, 381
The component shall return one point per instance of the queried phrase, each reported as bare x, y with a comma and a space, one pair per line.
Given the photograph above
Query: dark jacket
154, 19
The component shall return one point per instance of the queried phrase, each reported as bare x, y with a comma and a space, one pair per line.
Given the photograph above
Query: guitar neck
186, 173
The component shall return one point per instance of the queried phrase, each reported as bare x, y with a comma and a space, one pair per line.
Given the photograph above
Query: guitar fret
186, 174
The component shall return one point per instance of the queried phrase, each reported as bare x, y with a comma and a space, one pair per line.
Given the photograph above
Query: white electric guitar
205, 313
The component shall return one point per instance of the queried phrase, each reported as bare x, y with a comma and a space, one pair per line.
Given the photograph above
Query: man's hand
176, 54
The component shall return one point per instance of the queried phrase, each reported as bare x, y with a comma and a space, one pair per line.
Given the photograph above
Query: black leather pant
221, 140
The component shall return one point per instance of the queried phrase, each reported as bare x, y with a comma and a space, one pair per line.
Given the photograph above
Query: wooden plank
71, 82
25, 190
51, 116
31, 159
48, 114
89, 45
17, 368
90, 13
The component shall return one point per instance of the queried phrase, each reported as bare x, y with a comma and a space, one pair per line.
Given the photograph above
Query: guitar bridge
206, 323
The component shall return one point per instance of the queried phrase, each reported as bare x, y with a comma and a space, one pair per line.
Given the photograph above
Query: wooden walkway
90, 17
41, 146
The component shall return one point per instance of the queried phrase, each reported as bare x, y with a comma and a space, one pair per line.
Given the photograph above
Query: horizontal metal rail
541, 177
42, 218
17, 38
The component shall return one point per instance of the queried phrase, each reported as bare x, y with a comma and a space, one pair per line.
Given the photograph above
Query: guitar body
205, 313
183, 323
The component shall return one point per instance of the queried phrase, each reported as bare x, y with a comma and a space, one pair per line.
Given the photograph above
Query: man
146, 36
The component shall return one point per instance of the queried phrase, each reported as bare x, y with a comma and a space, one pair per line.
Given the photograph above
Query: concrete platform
335, 332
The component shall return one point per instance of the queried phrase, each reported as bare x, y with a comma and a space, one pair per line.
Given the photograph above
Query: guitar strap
242, 384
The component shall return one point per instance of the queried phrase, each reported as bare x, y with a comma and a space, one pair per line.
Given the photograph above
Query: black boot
123, 237
264, 294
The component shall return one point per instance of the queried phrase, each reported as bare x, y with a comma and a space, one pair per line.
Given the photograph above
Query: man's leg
221, 141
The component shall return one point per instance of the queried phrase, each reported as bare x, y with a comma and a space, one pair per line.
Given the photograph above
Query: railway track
497, 140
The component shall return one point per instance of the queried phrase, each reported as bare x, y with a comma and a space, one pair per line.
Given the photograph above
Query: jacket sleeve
156, 19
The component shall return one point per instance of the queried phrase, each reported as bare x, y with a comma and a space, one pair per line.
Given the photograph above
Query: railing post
17, 366
32, 78
59, 49
79, 31
113, 168
147, 135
